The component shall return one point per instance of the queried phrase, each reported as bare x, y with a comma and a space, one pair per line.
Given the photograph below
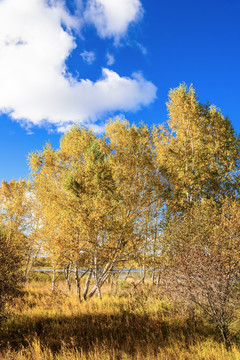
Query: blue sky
87, 60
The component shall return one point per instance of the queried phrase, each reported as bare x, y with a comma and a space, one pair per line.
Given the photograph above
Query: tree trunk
87, 283
143, 273
29, 264
153, 277
104, 275
100, 283
98, 288
78, 285
225, 335
128, 273
67, 272
53, 279
158, 279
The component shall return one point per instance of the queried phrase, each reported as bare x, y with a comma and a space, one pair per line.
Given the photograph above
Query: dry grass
127, 325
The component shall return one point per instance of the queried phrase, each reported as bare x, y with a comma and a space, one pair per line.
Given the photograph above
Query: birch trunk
67, 272
53, 279
97, 284
87, 283
144, 272
127, 275
158, 279
78, 284
105, 273
29, 264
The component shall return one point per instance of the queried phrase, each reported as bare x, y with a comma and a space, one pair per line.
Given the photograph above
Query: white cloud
97, 129
88, 56
34, 83
142, 48
110, 59
113, 17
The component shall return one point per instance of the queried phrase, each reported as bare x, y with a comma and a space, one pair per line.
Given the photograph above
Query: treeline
165, 199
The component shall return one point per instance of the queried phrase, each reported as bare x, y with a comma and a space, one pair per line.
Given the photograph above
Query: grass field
128, 324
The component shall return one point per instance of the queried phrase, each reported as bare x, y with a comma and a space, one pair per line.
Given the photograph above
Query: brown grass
127, 325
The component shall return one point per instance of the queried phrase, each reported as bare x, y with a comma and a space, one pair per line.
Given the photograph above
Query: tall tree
79, 200
198, 153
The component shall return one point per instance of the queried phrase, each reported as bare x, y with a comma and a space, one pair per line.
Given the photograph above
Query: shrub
11, 275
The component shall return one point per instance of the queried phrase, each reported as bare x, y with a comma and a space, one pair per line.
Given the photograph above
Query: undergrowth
129, 324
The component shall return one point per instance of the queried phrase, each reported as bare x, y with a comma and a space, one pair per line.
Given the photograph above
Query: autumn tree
57, 227
79, 199
92, 189
20, 216
132, 160
95, 194
198, 156
197, 153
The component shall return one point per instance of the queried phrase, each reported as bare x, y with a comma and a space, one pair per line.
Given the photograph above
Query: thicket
165, 200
